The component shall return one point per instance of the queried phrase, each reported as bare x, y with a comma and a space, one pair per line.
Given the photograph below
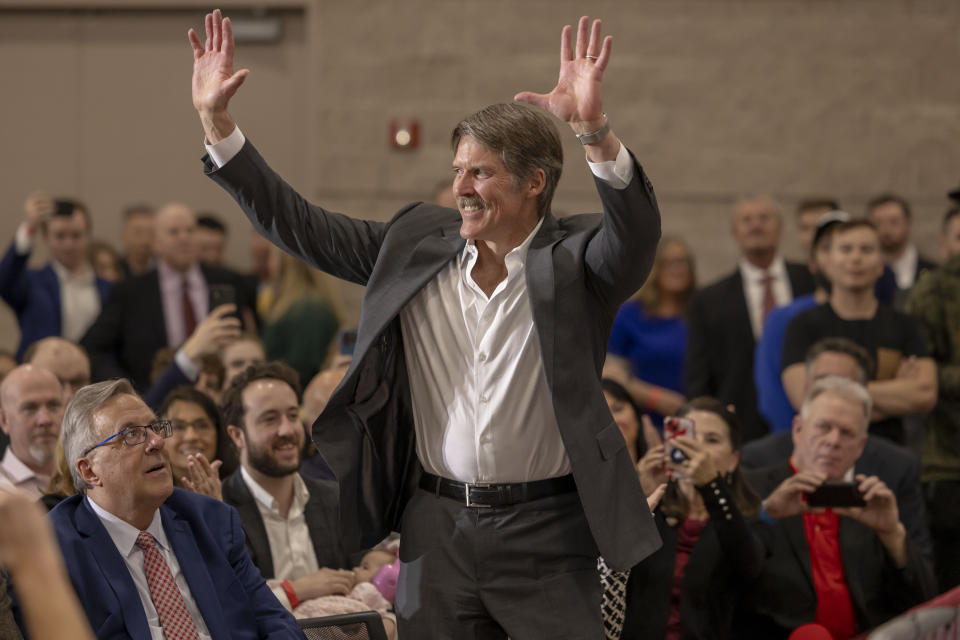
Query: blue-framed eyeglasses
134, 435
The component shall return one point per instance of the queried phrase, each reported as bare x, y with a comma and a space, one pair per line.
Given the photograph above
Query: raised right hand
37, 208
787, 499
214, 80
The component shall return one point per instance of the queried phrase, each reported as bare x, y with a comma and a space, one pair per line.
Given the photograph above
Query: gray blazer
579, 270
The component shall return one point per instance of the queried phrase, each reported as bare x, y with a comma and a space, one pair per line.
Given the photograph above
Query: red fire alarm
404, 133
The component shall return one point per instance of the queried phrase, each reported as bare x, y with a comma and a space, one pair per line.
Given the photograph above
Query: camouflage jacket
935, 299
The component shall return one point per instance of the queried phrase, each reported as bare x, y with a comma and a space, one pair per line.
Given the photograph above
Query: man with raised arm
472, 411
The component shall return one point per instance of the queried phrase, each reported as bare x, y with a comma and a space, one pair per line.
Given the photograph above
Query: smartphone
347, 341
222, 294
63, 208
836, 494
673, 427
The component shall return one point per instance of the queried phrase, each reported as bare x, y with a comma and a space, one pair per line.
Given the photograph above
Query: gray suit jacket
579, 270
320, 514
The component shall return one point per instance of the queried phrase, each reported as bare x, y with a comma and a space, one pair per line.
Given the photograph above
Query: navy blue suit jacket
206, 537
34, 295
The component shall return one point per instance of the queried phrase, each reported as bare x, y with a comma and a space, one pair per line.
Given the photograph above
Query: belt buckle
479, 485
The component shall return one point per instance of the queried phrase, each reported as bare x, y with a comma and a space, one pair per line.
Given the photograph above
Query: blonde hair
297, 281
650, 294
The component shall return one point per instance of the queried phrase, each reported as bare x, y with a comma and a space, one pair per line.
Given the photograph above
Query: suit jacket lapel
152, 300
739, 308
541, 287
797, 535
194, 569
252, 521
425, 261
101, 546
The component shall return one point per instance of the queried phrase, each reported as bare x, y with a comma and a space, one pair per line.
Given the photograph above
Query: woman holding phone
689, 588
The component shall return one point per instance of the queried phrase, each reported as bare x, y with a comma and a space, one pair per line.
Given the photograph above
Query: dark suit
206, 537
720, 347
34, 296
320, 514
785, 598
130, 328
896, 466
578, 271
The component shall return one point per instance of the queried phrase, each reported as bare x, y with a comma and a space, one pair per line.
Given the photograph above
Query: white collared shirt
124, 536
905, 267
171, 293
17, 473
482, 409
481, 405
753, 285
291, 547
79, 300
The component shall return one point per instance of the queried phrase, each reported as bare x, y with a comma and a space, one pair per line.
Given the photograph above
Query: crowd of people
777, 449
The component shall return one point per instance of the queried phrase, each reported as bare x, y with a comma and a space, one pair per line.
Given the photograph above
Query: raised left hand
881, 513
576, 98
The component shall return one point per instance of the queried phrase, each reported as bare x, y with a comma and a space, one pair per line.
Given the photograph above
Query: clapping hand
204, 476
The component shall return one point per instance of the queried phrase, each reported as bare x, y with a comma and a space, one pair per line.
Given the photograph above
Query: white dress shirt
79, 298
17, 473
124, 536
291, 547
905, 267
481, 405
753, 285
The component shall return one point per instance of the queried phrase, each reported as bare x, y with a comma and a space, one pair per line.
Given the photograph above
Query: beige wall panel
718, 98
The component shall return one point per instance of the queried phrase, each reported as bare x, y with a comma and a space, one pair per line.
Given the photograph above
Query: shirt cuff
617, 173
282, 597
187, 366
23, 240
222, 152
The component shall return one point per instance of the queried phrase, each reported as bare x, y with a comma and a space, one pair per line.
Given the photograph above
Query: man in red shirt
848, 569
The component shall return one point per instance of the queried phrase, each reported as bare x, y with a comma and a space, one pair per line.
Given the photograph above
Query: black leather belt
496, 494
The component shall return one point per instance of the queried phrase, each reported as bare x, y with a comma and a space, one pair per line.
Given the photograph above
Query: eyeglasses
132, 436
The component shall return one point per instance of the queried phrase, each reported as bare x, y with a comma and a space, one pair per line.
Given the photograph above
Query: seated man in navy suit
64, 297
148, 560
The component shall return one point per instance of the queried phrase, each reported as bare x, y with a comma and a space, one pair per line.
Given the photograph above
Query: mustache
464, 202
279, 442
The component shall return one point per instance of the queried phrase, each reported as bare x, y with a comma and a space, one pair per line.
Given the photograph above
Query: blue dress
655, 347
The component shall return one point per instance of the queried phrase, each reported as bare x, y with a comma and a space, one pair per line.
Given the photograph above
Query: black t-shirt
889, 336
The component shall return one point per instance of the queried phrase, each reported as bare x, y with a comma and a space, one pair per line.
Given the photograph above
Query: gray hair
76, 430
525, 139
839, 386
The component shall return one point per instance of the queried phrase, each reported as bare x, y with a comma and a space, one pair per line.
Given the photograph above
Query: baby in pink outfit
375, 589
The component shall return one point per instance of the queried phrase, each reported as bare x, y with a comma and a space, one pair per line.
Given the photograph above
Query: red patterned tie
174, 617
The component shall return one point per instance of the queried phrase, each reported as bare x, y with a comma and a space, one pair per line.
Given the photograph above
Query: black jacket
130, 328
725, 560
784, 597
320, 513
